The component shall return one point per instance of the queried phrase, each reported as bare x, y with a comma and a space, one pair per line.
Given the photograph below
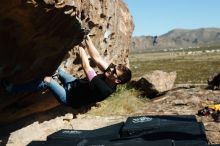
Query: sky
157, 17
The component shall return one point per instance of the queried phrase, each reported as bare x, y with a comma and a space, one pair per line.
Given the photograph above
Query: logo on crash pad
72, 132
141, 120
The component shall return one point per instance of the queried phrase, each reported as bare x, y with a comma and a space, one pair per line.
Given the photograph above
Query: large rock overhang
37, 36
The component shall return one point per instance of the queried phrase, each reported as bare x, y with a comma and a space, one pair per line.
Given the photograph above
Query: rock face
36, 36
177, 38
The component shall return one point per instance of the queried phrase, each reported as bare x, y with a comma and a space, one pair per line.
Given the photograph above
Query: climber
78, 92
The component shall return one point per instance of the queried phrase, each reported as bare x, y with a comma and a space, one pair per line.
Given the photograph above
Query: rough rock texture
162, 81
155, 83
36, 36
179, 101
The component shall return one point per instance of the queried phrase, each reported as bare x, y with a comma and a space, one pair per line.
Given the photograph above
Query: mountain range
177, 38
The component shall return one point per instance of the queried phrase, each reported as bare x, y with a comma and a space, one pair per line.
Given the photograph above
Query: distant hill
177, 38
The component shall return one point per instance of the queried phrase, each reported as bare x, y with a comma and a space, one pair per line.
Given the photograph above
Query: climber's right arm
101, 63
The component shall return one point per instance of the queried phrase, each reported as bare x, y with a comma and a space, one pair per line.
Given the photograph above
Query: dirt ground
180, 101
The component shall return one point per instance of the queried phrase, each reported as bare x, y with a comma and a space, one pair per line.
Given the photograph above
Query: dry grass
123, 102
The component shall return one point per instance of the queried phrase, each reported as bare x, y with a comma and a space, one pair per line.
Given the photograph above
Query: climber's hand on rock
82, 44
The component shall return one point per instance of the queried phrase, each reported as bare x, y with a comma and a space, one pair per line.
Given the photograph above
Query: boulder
214, 81
155, 82
37, 36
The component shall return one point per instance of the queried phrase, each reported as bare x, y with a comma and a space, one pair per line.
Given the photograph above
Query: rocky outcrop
155, 83
177, 38
36, 36
214, 81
